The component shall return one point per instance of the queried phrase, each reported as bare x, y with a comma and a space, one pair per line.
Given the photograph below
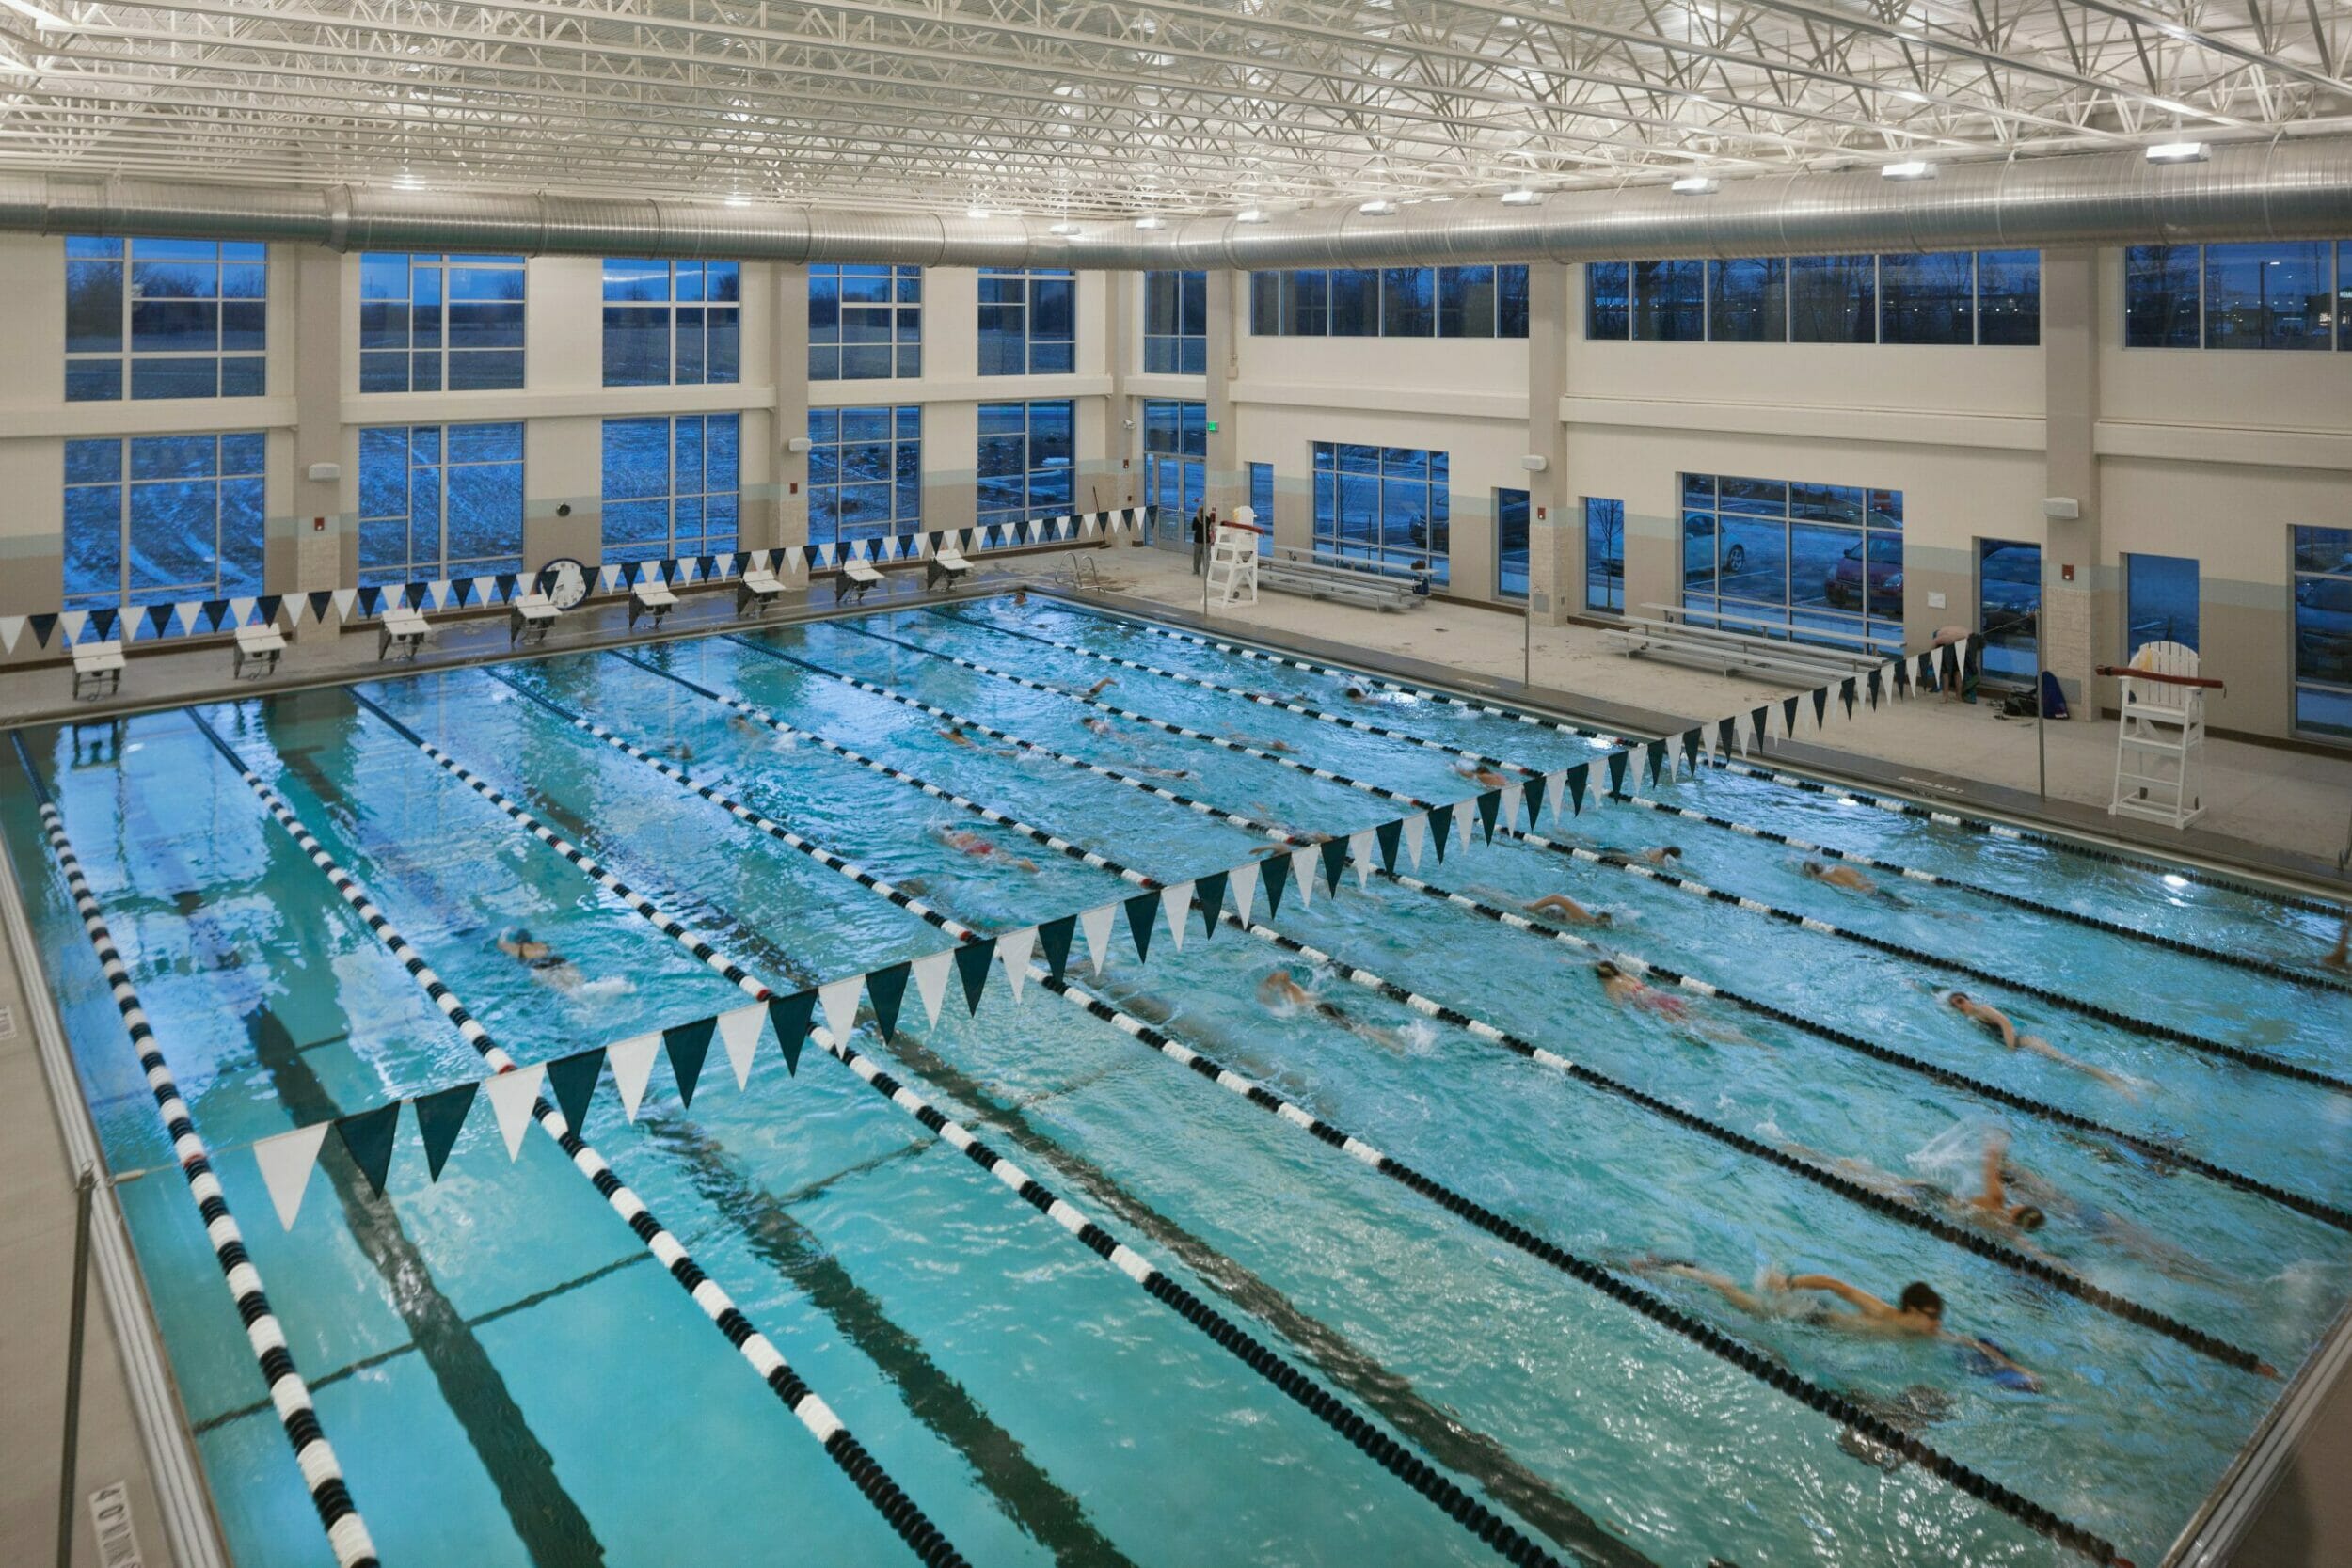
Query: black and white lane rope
921, 1536
1903, 1212
1286, 704
2163, 1153
1737, 1352
1384, 1451
321, 1473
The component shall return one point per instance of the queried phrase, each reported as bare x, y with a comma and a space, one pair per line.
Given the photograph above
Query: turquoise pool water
508, 1378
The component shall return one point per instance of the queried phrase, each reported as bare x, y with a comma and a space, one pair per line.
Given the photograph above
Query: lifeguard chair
1233, 560
2159, 749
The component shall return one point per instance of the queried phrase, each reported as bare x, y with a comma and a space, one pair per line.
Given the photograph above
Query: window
2323, 632
1397, 302
439, 502
1832, 299
431, 324
1928, 300
1262, 503
865, 473
1176, 322
1822, 563
1604, 554
1391, 505
158, 519
1748, 301
1175, 475
189, 316
2009, 608
2009, 298
2266, 296
1511, 512
1028, 322
2159, 601
865, 323
1669, 302
1991, 298
672, 323
1607, 315
673, 486
1027, 456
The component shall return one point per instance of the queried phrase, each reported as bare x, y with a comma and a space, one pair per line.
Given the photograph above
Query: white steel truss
1092, 109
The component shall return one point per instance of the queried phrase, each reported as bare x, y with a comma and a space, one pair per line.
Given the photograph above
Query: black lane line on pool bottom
1384, 1451
922, 1537
1811, 786
2159, 1152
2256, 1060
1658, 1310
321, 1473
1918, 1218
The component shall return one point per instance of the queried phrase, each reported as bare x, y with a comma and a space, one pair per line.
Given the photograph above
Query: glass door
1511, 512
2009, 610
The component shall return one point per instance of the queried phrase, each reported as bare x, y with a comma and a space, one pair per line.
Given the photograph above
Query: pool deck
2273, 811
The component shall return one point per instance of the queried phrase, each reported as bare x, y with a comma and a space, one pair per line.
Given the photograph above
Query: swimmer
1164, 772
1476, 774
1100, 687
2342, 956
1100, 726
1849, 879
545, 963
1567, 908
1386, 698
683, 751
1020, 598
1626, 991
980, 848
1282, 989
956, 735
1239, 738
743, 723
1997, 1023
1917, 1314
1991, 1206
1660, 855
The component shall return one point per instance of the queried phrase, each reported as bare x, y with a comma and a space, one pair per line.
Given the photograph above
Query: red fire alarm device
1539, 514
2066, 573
318, 525
796, 488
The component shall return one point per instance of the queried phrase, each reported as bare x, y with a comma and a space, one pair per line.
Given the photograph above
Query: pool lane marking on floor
1391, 1455
2254, 1060
864, 1472
1844, 794
1737, 1352
1976, 1241
290, 1397
2313, 1208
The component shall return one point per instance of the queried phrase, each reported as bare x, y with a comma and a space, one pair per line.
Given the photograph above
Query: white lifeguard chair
2159, 749
1233, 560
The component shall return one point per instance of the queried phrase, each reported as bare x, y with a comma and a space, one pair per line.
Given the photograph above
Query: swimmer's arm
1996, 1190
1996, 1357
1860, 1300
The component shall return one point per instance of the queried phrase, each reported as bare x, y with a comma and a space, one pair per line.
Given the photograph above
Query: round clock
565, 581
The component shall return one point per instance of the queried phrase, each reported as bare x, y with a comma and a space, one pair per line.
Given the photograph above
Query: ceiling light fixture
1914, 170
1522, 197
1695, 185
975, 212
737, 199
1154, 222
1064, 227
1250, 214
1379, 207
409, 181
2177, 152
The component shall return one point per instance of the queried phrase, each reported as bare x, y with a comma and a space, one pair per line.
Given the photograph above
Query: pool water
507, 1380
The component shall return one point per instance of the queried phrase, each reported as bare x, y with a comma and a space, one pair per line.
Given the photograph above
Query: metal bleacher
1314, 575
1717, 643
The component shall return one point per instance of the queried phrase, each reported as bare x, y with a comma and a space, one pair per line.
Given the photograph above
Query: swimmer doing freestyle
1848, 878
545, 963
1282, 989
1627, 991
981, 850
1997, 1023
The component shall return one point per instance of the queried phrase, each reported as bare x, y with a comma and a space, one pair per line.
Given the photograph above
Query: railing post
85, 1190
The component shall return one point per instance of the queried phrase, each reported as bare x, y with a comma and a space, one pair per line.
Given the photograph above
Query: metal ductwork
2285, 189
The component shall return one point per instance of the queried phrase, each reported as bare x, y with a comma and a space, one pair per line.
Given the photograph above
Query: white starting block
401, 630
651, 597
947, 565
256, 652
855, 578
756, 590
529, 617
97, 670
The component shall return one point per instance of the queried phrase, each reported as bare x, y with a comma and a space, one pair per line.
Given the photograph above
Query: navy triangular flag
159, 617
1902, 677
1054, 935
104, 621
413, 594
790, 1016
1846, 695
1489, 809
371, 600
1440, 825
971, 961
1821, 706
1789, 715
460, 591
886, 988
1655, 753
1274, 874
267, 606
1579, 776
1391, 834
688, 1044
1877, 680
1726, 734
440, 1118
368, 1138
1536, 790
508, 582
1692, 741
42, 626
214, 612
573, 1080
1616, 773
1334, 854
1142, 909
1209, 892
1756, 717
322, 600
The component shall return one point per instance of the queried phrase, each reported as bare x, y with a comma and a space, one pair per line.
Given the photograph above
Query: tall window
1832, 299
1669, 302
2323, 632
1816, 562
2159, 601
1176, 322
671, 487
2009, 608
1175, 465
1395, 302
672, 323
430, 322
1990, 297
1511, 514
439, 502
161, 518
1028, 322
865, 473
1027, 457
865, 323
1604, 554
1262, 502
188, 315
2275, 294
1389, 505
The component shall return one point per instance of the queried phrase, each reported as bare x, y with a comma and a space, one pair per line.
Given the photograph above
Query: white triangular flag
1514, 800
71, 623
930, 980
1361, 849
1555, 792
345, 600
740, 1031
839, 1000
796, 557
1303, 862
1096, 924
1175, 904
286, 1161
1036, 526
1014, 948
11, 628
187, 610
610, 577
485, 590
633, 1064
1416, 834
1243, 884
240, 611
512, 1096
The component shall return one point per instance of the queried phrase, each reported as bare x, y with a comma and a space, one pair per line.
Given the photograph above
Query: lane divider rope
921, 1536
2164, 1153
1357, 1430
1905, 1213
288, 1395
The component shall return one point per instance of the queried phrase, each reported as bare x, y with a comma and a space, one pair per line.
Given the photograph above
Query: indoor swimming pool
1565, 1289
